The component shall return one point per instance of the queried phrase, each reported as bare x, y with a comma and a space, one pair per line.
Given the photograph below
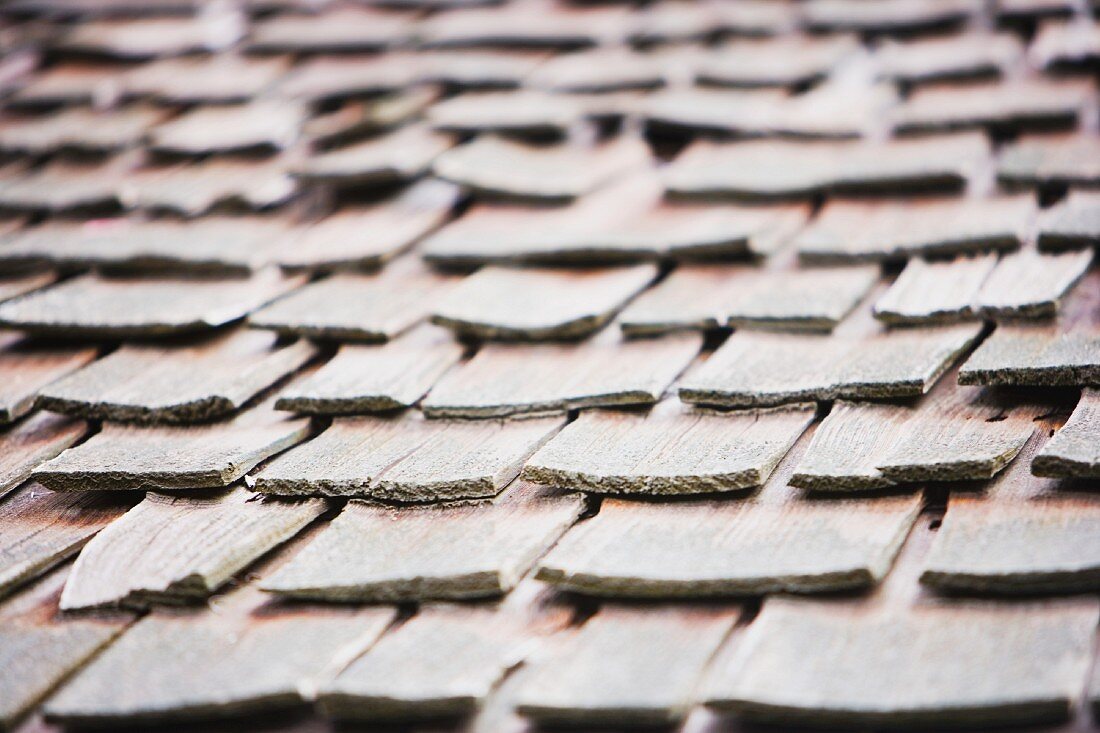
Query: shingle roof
493, 366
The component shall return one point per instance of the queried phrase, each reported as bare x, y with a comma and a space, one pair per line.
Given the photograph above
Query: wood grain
603, 371
753, 369
635, 666
93, 306
1024, 535
928, 292
180, 549
27, 367
855, 230
445, 551
369, 237
171, 457
499, 303
197, 380
33, 441
361, 379
671, 449
222, 661
408, 458
1063, 353
806, 663
39, 648
374, 308
774, 541
43, 528
1073, 451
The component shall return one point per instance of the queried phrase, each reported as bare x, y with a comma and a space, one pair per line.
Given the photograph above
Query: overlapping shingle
603, 70
66, 188
218, 245
207, 378
177, 549
339, 30
401, 156
43, 528
497, 167
637, 666
854, 230
217, 662
1070, 224
26, 367
363, 379
1072, 452
38, 650
1066, 47
442, 663
536, 24
889, 17
198, 456
461, 550
952, 434
374, 308
1065, 352
671, 449
256, 127
606, 370
1001, 106
538, 305
147, 38
369, 237
218, 79
191, 190
1022, 535
329, 79
778, 169
528, 113
67, 84
774, 541
752, 369
787, 61
79, 129
407, 458
33, 441
952, 58
1068, 160
95, 306
818, 664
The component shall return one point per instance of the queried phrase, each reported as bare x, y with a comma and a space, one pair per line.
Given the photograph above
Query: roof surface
487, 367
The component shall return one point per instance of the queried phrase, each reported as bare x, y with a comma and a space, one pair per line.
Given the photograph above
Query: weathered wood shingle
362, 378
95, 306
952, 664
33, 441
774, 541
1022, 535
39, 649
376, 553
206, 378
179, 549
43, 528
498, 167
605, 370
670, 449
407, 458
636, 666
1074, 451
373, 308
27, 367
528, 304
175, 457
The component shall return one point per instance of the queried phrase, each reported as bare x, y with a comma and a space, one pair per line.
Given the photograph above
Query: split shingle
537, 305
442, 551
604, 371
407, 458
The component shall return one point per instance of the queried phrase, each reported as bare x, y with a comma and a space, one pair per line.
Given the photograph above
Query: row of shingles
217, 458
